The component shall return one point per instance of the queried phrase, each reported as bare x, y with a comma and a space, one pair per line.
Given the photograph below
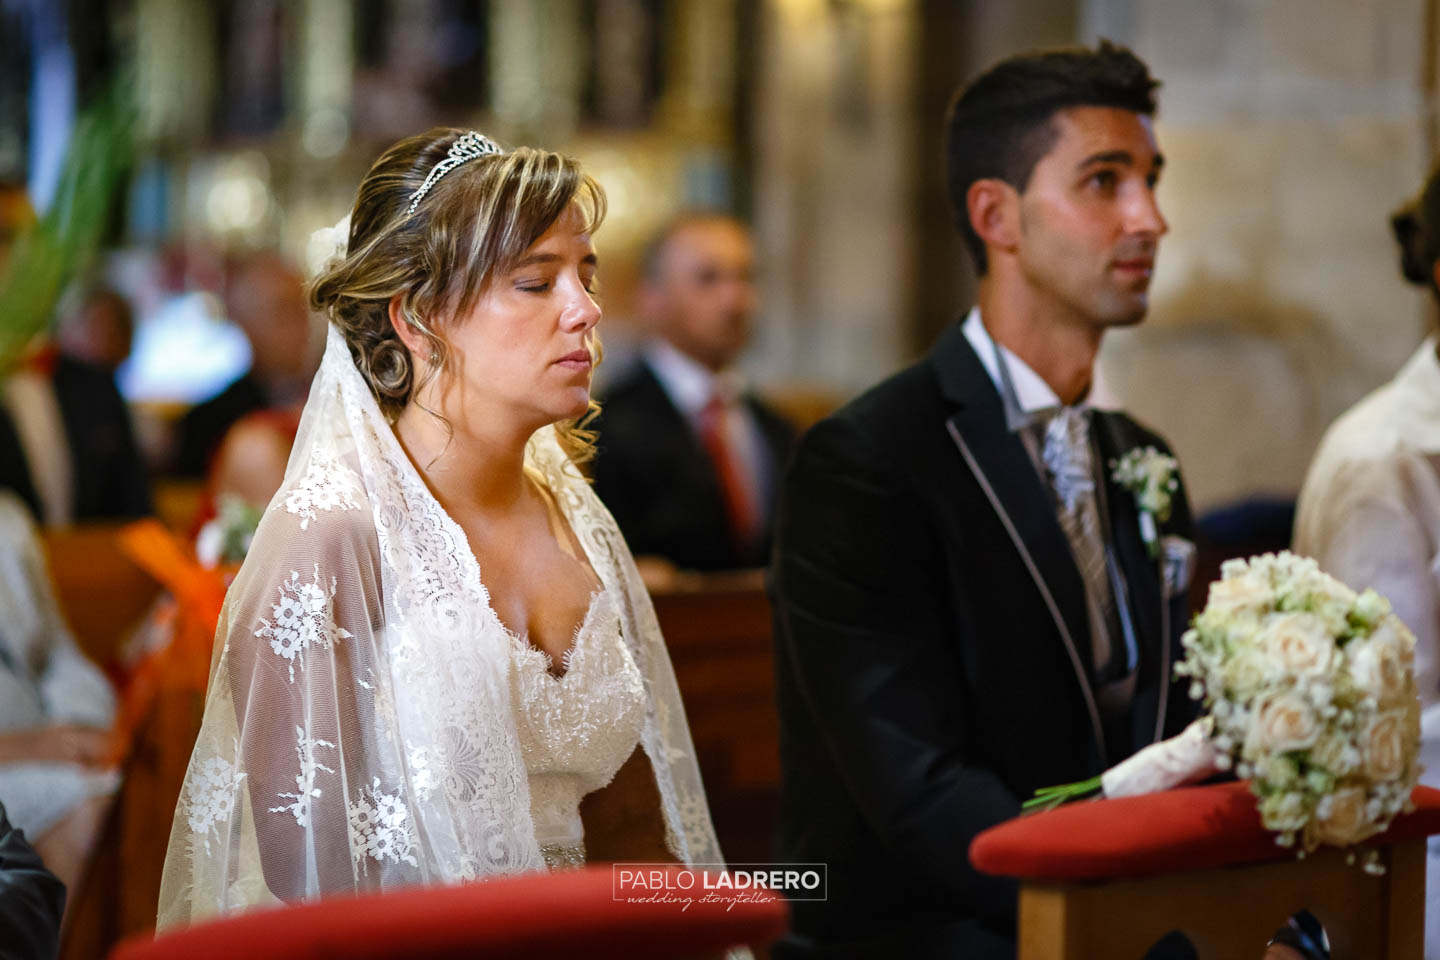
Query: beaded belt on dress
563, 856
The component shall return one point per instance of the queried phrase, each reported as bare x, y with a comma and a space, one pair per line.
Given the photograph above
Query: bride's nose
580, 314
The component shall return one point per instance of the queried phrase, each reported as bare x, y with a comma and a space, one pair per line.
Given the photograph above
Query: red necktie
739, 505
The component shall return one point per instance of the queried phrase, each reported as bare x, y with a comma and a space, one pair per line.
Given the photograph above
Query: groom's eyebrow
1123, 157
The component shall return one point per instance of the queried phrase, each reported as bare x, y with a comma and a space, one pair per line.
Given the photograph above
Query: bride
438, 662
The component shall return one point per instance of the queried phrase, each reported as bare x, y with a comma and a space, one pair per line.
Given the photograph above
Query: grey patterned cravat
1070, 468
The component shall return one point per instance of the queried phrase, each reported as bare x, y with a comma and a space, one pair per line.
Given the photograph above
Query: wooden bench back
101, 591
719, 635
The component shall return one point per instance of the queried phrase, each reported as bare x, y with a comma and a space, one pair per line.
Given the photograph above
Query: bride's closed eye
591, 286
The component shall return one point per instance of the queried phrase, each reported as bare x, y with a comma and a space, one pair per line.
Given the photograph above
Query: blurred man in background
689, 457
99, 331
67, 447
265, 298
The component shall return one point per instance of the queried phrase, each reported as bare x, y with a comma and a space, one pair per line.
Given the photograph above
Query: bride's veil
358, 732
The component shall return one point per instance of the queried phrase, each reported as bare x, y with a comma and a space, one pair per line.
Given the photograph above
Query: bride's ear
414, 341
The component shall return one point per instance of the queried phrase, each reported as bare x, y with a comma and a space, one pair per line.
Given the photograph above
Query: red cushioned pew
1108, 878
569, 914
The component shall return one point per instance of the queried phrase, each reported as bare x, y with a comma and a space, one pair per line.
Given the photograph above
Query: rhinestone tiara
468, 146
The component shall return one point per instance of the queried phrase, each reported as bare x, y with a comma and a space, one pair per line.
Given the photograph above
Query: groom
966, 607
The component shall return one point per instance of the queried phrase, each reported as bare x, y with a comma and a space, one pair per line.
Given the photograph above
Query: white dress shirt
1031, 390
1033, 395
690, 385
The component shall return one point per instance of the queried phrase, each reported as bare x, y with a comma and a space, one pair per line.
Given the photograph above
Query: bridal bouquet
1311, 695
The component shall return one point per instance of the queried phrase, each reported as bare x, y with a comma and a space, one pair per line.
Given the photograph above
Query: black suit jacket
31, 899
925, 686
655, 476
109, 478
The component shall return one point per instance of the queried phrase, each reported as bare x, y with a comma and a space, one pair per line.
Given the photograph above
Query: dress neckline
466, 553
525, 648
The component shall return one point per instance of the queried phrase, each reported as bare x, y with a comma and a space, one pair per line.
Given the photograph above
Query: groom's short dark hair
1000, 124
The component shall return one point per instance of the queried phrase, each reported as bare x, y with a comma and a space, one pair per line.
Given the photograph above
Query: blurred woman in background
1369, 511
56, 709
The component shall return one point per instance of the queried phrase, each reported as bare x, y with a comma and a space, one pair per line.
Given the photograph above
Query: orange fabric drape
183, 663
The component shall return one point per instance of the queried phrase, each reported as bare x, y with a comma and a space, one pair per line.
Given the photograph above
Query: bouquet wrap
1185, 758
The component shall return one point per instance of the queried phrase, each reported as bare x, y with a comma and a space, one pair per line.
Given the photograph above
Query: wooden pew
717, 628
103, 595
101, 591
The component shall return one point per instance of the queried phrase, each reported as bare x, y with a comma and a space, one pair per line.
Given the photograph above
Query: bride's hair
1417, 229
475, 222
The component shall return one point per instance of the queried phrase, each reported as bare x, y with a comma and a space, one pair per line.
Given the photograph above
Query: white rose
1244, 593
1379, 663
1336, 754
1299, 642
1333, 613
1370, 606
1282, 722
1340, 819
1383, 746
1403, 638
1283, 811
1246, 674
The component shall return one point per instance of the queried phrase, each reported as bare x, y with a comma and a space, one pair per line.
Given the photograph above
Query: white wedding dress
577, 729
370, 723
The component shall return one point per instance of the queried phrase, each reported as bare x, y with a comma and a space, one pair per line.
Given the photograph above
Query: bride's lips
576, 360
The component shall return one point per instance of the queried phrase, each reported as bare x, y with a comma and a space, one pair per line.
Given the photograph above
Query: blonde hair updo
475, 222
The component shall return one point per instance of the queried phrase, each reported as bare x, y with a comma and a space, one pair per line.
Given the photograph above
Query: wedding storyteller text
716, 882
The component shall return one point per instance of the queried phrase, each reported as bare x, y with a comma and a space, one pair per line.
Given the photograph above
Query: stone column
834, 141
537, 65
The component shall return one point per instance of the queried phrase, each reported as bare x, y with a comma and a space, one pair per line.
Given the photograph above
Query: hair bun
1416, 258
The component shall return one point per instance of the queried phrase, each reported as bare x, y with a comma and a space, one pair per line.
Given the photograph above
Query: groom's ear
994, 210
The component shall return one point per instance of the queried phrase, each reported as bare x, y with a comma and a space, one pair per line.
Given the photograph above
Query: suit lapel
1139, 571
1005, 473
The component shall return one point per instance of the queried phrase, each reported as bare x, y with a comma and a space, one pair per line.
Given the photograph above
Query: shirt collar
1421, 373
688, 383
1032, 393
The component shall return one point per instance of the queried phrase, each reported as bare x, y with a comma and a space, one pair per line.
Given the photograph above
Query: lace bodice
576, 730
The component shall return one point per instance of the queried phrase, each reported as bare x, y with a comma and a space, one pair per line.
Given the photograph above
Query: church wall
1291, 129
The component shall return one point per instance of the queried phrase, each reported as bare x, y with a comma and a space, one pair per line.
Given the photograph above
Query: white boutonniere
1153, 477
